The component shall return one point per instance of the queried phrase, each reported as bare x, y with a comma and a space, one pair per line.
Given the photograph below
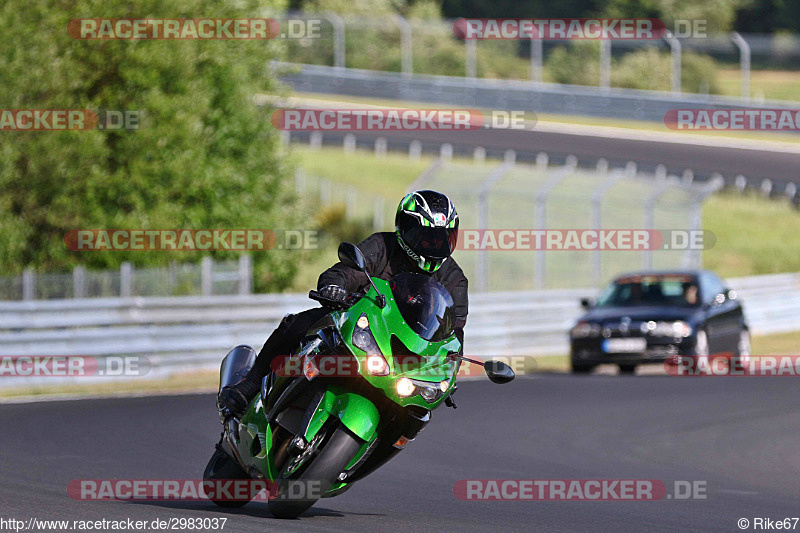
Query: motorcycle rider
426, 233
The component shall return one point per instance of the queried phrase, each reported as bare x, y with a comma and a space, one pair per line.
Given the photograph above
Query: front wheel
222, 466
297, 494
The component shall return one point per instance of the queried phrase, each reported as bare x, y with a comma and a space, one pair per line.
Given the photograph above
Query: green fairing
356, 412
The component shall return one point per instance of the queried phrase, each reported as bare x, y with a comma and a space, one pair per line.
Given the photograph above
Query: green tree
205, 156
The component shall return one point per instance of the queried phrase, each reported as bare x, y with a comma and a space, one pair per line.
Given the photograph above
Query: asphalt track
755, 165
740, 436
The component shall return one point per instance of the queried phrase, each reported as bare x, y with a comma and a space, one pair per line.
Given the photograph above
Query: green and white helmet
427, 228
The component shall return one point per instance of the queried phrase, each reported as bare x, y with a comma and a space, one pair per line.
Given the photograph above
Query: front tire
324, 469
222, 466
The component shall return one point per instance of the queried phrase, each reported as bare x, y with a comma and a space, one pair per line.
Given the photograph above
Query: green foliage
652, 70
647, 68
580, 64
205, 157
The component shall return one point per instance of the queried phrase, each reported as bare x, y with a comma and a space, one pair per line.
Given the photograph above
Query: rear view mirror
498, 371
351, 256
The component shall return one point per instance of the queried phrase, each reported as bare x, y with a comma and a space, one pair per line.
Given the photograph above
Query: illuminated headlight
405, 387
444, 385
678, 328
585, 329
363, 340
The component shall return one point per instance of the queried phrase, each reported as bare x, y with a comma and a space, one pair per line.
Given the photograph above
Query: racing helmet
426, 224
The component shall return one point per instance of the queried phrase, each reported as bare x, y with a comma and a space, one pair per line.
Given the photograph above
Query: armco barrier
188, 333
503, 94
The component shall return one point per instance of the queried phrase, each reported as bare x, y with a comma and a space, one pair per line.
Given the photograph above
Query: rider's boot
234, 399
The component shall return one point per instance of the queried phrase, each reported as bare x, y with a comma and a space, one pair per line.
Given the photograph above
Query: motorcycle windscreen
425, 304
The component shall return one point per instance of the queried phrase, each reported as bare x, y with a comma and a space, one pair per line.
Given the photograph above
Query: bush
206, 156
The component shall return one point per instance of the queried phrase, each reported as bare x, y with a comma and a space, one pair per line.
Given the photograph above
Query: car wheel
743, 348
627, 369
701, 351
578, 368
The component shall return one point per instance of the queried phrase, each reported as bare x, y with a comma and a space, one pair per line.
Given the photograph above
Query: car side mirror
586, 303
498, 371
351, 256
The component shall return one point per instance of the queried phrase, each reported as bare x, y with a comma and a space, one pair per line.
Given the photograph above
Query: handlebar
336, 304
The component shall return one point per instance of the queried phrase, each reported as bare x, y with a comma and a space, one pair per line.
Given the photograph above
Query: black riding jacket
385, 259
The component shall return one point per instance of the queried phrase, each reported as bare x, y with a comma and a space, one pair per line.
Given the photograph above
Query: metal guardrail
503, 94
193, 333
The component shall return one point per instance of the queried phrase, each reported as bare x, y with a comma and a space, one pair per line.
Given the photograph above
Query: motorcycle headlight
430, 391
585, 329
363, 340
429, 394
405, 387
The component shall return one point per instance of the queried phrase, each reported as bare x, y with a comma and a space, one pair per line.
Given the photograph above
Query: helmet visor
431, 242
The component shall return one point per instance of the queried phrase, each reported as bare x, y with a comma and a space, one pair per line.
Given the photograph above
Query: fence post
125, 279
744, 63
446, 152
479, 154
415, 150
28, 284
349, 143
471, 59
605, 64
324, 192
675, 52
338, 39
536, 59
206, 276
406, 49
597, 210
541, 215
245, 274
315, 140
483, 216
79, 282
661, 187
378, 211
380, 147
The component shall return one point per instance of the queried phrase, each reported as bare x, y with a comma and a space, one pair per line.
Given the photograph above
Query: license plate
624, 345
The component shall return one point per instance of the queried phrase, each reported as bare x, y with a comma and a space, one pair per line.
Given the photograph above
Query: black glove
333, 292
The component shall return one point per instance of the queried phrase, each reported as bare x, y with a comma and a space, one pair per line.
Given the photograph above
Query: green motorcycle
313, 431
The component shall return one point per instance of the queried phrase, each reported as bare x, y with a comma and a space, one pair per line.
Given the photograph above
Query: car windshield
665, 289
425, 304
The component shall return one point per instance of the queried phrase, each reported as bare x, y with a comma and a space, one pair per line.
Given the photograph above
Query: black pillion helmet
427, 228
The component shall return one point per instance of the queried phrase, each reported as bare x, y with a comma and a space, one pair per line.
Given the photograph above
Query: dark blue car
658, 317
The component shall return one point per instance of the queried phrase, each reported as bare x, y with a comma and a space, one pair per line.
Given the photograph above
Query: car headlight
363, 340
678, 328
585, 329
